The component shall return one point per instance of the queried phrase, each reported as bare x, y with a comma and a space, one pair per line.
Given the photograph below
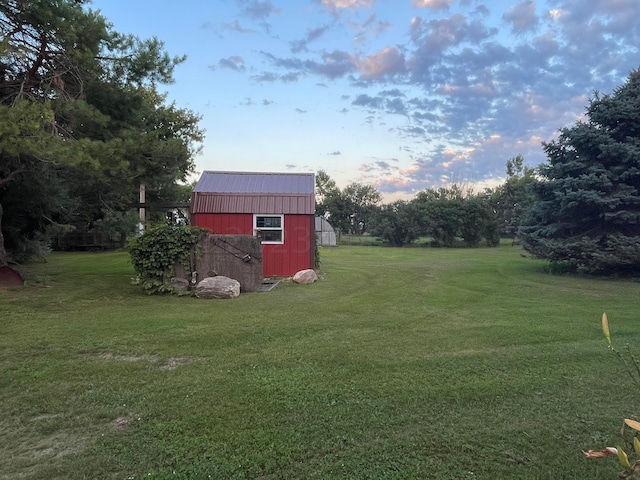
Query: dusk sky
400, 94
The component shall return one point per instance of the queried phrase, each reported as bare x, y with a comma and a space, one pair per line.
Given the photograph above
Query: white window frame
257, 229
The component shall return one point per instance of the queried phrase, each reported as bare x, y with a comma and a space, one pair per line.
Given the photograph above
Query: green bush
155, 253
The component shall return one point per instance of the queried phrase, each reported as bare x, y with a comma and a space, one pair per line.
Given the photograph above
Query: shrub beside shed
277, 207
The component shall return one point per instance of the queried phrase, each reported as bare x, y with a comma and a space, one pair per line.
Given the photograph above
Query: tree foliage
514, 197
362, 201
396, 223
453, 212
349, 210
326, 189
587, 209
478, 222
79, 105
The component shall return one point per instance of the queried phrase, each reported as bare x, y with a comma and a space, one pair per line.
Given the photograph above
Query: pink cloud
334, 5
433, 4
387, 61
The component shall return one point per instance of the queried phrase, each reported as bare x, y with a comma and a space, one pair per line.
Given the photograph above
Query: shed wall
297, 252
225, 223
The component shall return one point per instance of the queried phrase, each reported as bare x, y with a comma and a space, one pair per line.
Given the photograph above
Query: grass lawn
398, 364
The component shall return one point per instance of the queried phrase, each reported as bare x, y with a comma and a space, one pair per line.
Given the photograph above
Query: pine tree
587, 209
80, 114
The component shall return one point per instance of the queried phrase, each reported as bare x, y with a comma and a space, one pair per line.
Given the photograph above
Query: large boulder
218, 287
305, 276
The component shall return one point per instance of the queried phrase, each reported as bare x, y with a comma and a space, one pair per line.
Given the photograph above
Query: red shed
278, 206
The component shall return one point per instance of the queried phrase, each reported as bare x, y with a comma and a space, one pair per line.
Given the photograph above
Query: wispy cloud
235, 27
233, 63
257, 10
334, 64
337, 5
371, 28
298, 46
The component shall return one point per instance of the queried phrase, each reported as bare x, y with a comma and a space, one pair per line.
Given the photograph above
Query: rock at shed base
179, 284
305, 276
218, 287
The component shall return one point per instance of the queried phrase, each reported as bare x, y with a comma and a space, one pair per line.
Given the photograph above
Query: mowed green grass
405, 363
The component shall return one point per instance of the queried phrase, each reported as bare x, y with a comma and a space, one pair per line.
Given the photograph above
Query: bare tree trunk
3, 252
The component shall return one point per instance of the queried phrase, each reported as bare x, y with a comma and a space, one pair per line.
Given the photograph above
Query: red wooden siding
225, 223
296, 253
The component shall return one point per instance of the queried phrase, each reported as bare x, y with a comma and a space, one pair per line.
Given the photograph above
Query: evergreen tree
587, 209
79, 108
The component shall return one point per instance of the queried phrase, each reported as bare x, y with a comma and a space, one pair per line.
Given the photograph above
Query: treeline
580, 210
450, 216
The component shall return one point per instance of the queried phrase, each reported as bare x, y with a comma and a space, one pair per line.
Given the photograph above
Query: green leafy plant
632, 366
155, 253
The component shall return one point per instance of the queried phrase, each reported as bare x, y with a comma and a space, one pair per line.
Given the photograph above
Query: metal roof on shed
253, 192
255, 182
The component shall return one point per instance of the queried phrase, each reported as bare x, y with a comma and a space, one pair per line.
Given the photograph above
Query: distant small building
325, 234
279, 207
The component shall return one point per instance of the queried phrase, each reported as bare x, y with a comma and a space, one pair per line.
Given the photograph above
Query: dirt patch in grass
120, 423
30, 452
170, 363
126, 358
56, 445
175, 362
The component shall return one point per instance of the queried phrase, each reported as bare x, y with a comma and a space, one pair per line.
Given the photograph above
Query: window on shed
270, 228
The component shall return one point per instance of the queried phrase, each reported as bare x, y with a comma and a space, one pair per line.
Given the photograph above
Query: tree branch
12, 176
